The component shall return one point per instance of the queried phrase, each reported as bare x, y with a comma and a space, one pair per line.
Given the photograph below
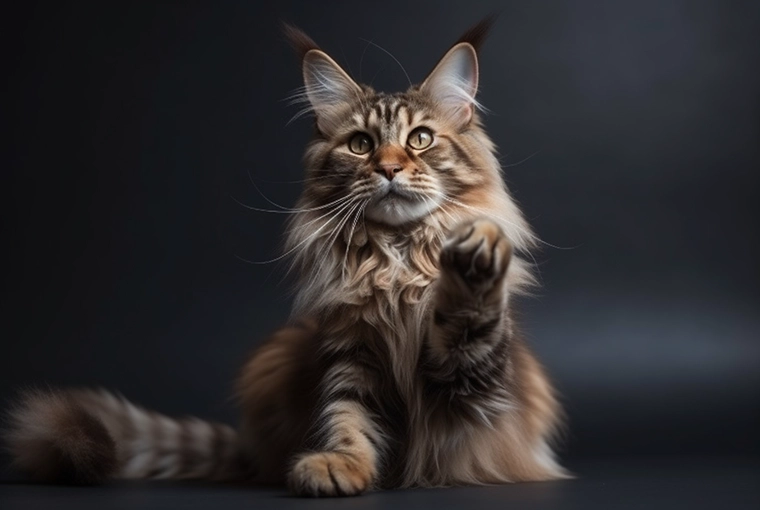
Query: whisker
351, 236
521, 161
304, 241
523, 231
286, 210
350, 71
299, 181
454, 221
376, 74
390, 55
333, 216
430, 205
250, 178
331, 237
357, 195
334, 236
492, 215
361, 60
300, 113
303, 226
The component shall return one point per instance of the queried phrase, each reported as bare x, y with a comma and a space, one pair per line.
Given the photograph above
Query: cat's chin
396, 210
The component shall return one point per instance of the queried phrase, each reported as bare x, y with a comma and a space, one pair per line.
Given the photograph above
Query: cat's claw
478, 252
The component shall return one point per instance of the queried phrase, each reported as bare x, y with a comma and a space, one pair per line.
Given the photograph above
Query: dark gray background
630, 131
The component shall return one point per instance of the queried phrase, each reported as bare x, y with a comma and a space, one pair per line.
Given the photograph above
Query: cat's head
398, 158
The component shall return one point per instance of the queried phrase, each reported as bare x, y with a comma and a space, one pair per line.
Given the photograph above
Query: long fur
403, 364
88, 436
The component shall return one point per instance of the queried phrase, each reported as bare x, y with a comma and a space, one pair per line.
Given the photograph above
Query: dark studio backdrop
629, 132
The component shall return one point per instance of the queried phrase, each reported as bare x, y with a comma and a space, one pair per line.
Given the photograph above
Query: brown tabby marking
77, 449
404, 365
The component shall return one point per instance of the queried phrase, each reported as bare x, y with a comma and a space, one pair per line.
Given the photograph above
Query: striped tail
88, 436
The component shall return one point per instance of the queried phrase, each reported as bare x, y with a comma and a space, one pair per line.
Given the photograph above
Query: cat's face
395, 151
396, 158
390, 151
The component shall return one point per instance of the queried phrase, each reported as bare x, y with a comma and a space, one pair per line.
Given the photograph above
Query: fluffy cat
403, 365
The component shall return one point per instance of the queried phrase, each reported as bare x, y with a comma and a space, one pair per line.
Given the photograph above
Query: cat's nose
389, 169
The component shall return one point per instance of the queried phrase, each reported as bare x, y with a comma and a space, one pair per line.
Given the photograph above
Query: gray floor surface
691, 483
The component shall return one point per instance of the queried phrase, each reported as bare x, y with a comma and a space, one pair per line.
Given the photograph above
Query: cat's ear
453, 83
328, 88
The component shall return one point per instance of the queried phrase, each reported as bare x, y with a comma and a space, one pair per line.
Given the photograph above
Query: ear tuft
453, 84
328, 88
298, 39
476, 35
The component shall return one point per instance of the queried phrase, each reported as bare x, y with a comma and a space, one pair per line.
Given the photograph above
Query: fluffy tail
88, 436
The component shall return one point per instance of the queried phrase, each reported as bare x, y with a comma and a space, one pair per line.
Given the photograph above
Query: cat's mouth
395, 191
395, 204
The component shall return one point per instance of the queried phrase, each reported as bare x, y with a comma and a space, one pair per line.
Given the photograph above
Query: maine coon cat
402, 365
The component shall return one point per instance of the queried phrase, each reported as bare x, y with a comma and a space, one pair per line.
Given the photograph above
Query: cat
402, 365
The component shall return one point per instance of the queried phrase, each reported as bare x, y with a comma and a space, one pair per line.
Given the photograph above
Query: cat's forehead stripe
397, 104
377, 112
387, 114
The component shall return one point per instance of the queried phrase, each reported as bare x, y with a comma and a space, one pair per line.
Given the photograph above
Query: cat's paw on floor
479, 252
330, 474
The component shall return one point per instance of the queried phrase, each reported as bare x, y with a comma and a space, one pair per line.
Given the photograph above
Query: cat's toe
330, 474
479, 252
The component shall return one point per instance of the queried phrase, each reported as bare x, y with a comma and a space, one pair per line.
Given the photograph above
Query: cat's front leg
464, 359
346, 441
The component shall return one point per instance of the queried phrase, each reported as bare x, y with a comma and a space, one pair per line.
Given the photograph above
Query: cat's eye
360, 143
420, 138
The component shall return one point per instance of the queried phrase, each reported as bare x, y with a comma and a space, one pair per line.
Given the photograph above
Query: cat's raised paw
478, 252
330, 474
